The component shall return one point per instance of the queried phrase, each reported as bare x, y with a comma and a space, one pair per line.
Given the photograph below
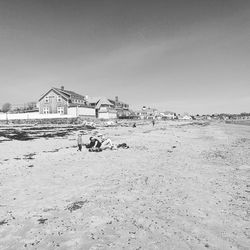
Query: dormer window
59, 98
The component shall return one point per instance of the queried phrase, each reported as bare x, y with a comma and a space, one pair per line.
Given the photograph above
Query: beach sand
179, 186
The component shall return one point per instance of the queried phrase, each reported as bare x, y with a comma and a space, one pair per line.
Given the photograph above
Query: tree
6, 107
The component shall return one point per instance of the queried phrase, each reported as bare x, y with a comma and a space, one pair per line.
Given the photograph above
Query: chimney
62, 87
86, 97
116, 99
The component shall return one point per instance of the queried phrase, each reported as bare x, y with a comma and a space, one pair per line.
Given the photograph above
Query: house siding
53, 104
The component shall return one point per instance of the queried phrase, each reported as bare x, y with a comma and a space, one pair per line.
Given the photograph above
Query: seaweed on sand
76, 205
195, 123
31, 133
42, 221
29, 156
2, 222
16, 135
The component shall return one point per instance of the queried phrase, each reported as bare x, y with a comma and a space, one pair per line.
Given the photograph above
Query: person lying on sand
106, 143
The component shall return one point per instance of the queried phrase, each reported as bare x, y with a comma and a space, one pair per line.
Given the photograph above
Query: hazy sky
178, 55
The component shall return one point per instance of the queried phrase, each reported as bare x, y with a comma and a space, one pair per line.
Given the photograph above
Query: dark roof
66, 94
70, 94
113, 101
103, 101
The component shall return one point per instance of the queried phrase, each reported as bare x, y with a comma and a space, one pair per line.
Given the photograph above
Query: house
122, 108
168, 115
147, 113
186, 117
59, 100
104, 108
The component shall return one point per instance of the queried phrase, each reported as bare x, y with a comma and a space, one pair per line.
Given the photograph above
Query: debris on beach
42, 221
2, 222
52, 151
29, 156
195, 123
76, 205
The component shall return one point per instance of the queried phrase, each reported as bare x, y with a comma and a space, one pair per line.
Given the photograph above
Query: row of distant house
66, 102
152, 113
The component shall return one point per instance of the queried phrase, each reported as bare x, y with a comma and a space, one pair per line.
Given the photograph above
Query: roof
113, 101
94, 99
66, 94
103, 101
168, 113
71, 94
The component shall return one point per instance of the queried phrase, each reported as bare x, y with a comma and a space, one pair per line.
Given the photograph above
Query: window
47, 99
46, 110
60, 110
59, 98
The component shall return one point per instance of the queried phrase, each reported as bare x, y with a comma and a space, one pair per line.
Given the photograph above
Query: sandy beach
180, 185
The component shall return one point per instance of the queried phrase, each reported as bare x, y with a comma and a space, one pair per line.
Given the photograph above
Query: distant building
122, 108
147, 113
106, 107
186, 117
168, 115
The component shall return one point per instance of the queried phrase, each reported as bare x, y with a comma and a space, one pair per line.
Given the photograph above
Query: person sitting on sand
94, 143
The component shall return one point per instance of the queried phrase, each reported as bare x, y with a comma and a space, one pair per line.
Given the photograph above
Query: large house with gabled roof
58, 100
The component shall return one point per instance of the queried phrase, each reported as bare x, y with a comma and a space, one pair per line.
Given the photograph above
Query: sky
177, 55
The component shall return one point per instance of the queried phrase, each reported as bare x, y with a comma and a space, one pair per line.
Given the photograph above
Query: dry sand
178, 186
